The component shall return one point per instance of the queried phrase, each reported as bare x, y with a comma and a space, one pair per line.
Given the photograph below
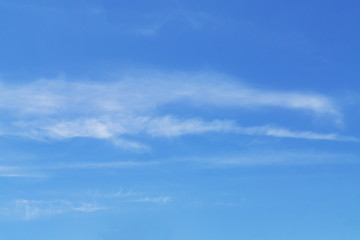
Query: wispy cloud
87, 207
166, 126
59, 109
135, 196
149, 92
272, 157
33, 209
152, 24
162, 200
48, 170
17, 171
29, 209
286, 133
99, 165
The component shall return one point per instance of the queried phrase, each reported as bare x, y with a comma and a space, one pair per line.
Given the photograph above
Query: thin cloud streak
58, 109
162, 200
161, 127
153, 24
248, 158
101, 165
285, 133
45, 171
17, 172
273, 158
141, 94
33, 209
29, 209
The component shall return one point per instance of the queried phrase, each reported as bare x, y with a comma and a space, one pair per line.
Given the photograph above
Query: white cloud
166, 126
79, 128
273, 157
100, 165
152, 24
142, 94
132, 196
132, 145
87, 207
162, 200
28, 209
14, 172
285, 133
37, 171
170, 126
58, 109
33, 209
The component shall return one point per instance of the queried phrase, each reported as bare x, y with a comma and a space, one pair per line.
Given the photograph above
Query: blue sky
179, 120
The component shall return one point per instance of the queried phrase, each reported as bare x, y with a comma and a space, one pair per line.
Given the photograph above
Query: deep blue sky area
179, 120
